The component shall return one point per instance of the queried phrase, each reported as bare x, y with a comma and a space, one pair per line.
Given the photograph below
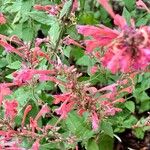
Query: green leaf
126, 15
107, 128
3, 62
92, 145
42, 17
85, 61
143, 21
105, 142
66, 9
50, 146
27, 33
26, 6
145, 106
130, 106
54, 33
78, 126
130, 4
139, 133
15, 65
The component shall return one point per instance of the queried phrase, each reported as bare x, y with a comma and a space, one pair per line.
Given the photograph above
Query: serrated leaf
130, 106
92, 145
126, 15
50, 146
65, 9
130, 4
78, 126
85, 61
54, 32
15, 65
107, 128
3, 62
42, 17
105, 142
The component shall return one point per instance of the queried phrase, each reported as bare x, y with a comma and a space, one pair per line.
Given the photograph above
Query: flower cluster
126, 49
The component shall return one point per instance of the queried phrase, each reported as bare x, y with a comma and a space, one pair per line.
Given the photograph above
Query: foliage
68, 82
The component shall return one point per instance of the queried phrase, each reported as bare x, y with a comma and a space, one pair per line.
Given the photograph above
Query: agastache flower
27, 110
50, 9
68, 41
140, 4
36, 145
10, 48
75, 6
95, 121
4, 90
11, 109
127, 49
2, 19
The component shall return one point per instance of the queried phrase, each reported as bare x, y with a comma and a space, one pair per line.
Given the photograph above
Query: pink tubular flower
61, 98
68, 41
4, 90
94, 69
26, 74
11, 109
50, 9
140, 4
27, 110
36, 145
118, 20
2, 19
45, 109
95, 121
23, 76
75, 5
127, 49
101, 36
65, 108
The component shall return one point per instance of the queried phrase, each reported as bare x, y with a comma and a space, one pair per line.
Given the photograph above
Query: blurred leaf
92, 145
139, 133
42, 17
85, 61
126, 15
105, 142
50, 146
54, 32
65, 9
130, 106
15, 65
107, 128
130, 4
78, 126
3, 62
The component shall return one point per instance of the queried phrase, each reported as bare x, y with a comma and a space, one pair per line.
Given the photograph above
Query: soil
130, 142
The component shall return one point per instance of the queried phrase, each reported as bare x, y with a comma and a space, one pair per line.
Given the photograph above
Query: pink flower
4, 90
140, 4
10, 48
11, 109
68, 41
50, 9
126, 50
26, 111
61, 98
36, 145
95, 121
23, 76
2, 19
45, 109
101, 36
118, 20
75, 5
64, 109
